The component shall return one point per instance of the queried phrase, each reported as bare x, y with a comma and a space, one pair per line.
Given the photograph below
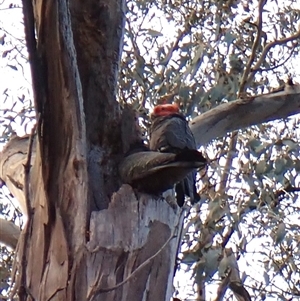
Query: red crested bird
155, 172
170, 132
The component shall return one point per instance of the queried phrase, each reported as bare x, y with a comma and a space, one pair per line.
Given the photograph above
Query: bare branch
276, 66
9, 233
27, 168
230, 156
234, 137
222, 289
255, 45
267, 49
231, 278
240, 113
37, 78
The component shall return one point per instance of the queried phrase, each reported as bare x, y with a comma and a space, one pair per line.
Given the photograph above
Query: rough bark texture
57, 219
13, 158
133, 231
79, 144
98, 37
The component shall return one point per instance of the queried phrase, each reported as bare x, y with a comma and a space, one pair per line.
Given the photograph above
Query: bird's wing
169, 134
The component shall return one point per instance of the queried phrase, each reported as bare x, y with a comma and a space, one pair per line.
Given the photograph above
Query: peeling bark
133, 231
79, 144
57, 223
13, 158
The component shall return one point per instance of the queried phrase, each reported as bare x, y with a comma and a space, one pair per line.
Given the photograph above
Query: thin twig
164, 62
245, 77
244, 81
276, 66
13, 289
229, 159
267, 49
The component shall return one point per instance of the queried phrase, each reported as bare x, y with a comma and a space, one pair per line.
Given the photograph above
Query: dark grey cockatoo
170, 132
155, 172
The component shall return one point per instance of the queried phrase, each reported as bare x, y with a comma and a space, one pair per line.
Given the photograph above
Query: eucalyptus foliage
201, 54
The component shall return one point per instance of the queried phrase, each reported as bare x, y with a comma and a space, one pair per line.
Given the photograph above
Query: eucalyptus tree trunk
86, 239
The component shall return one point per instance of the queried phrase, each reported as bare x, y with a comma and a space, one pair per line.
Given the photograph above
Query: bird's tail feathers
190, 155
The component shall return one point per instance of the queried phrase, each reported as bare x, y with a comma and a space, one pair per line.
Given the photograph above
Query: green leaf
260, 167
212, 261
291, 144
223, 265
189, 258
280, 233
256, 145
229, 37
279, 166
154, 33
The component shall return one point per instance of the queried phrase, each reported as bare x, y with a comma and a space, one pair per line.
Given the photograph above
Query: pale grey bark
9, 233
12, 161
243, 113
123, 239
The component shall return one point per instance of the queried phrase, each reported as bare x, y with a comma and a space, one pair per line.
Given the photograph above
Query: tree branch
9, 233
142, 232
267, 49
255, 45
240, 113
37, 78
12, 161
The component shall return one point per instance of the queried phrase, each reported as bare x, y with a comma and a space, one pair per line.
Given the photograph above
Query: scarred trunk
132, 248
84, 242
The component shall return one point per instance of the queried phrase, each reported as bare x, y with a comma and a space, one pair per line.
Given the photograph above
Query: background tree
218, 52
